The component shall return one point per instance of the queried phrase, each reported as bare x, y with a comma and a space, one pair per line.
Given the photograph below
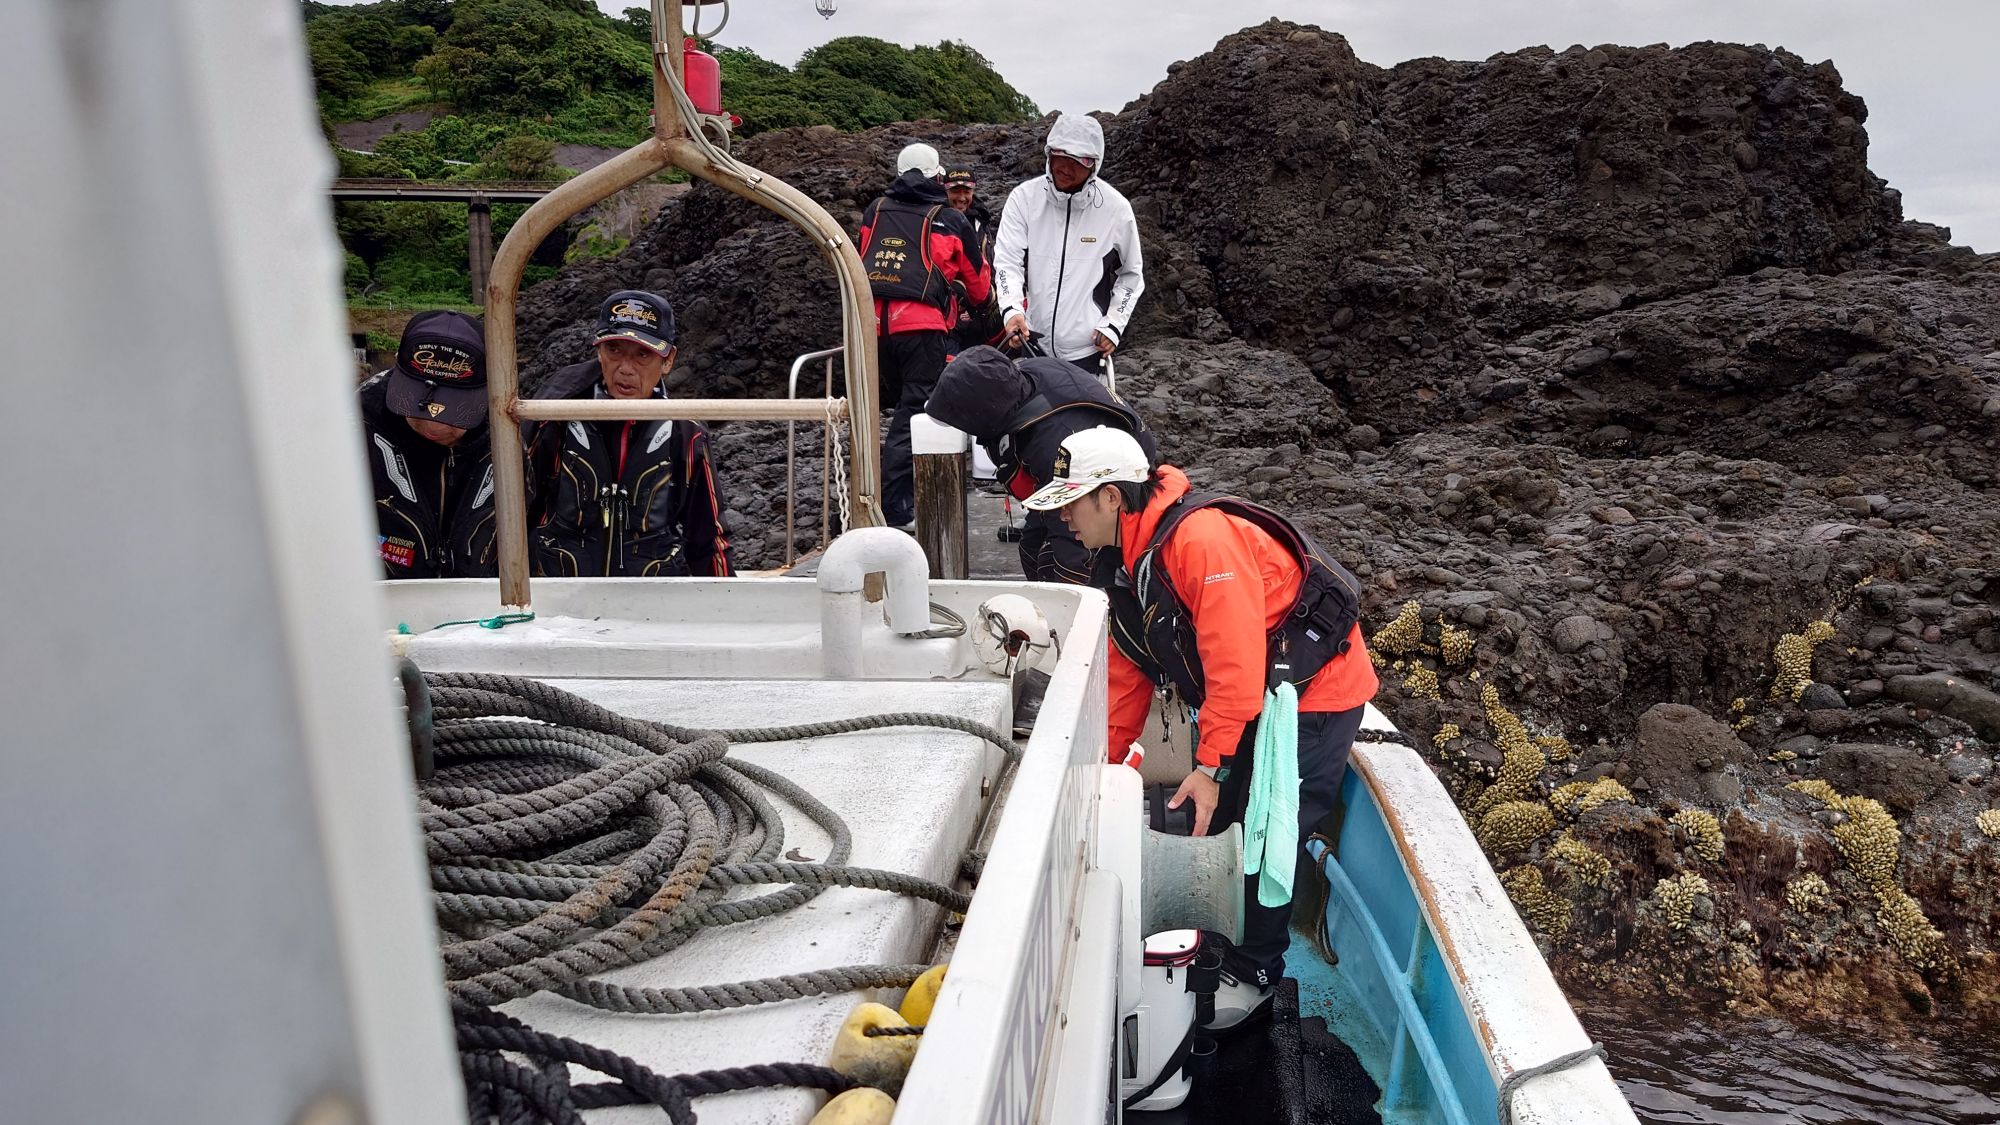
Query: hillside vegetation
503, 82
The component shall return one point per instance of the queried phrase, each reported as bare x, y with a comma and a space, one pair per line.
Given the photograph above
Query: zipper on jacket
1062, 266
443, 561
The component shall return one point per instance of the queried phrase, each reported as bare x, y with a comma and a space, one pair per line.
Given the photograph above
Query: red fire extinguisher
702, 76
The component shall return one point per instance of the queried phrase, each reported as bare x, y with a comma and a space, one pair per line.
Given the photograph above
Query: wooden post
939, 463
479, 243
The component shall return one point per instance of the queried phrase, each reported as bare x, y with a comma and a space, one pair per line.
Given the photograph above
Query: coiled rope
566, 840
501, 1089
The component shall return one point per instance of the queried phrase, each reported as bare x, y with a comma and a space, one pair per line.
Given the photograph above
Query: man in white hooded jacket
1066, 262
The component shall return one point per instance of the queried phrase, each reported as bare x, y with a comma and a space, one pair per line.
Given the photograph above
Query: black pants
1051, 552
1092, 364
911, 364
1325, 740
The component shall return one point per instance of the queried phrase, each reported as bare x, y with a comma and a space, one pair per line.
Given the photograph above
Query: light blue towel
1271, 822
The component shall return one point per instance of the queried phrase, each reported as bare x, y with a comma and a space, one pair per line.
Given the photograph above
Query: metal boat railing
678, 141
825, 460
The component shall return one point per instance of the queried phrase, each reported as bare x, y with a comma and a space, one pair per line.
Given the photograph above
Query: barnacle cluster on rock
1703, 831
1544, 909
1870, 842
1512, 825
1403, 634
1989, 823
1455, 645
1584, 863
1808, 894
1675, 898
1920, 943
1579, 797
1554, 745
1421, 683
1445, 734
1794, 655
1521, 764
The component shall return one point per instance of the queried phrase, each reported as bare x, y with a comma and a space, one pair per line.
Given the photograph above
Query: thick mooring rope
566, 840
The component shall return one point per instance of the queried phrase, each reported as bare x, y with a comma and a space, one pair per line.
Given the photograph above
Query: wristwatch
1208, 772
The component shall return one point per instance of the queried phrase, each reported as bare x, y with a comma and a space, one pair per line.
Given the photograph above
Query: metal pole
689, 409
791, 455
675, 142
479, 242
510, 493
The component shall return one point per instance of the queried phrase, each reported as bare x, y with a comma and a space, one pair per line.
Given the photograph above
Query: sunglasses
1085, 161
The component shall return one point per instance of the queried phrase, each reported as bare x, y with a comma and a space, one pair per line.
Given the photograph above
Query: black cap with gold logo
440, 371
631, 314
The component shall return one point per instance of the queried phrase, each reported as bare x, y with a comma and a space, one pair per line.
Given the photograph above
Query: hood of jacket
1135, 529
1078, 133
980, 392
915, 187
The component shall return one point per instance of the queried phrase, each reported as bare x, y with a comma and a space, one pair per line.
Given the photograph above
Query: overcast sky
1929, 69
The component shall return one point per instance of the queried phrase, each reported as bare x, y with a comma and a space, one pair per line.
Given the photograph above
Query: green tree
638, 23
411, 43
519, 158
871, 63
339, 71
416, 153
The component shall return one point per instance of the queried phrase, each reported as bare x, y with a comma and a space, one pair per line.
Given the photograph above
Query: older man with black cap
978, 321
632, 499
424, 421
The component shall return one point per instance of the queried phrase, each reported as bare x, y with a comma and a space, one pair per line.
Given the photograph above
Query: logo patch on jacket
397, 552
1088, 238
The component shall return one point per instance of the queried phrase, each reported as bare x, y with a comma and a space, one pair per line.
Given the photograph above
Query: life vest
899, 263
1151, 625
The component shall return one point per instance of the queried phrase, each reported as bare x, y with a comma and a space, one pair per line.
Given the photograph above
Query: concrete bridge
478, 197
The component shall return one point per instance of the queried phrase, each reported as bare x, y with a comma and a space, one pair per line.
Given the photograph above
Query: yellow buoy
857, 1107
922, 996
881, 1061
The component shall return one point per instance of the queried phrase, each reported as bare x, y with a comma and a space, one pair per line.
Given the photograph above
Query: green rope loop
497, 621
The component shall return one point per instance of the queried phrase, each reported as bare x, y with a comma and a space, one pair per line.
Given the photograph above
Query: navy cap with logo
630, 314
960, 178
440, 371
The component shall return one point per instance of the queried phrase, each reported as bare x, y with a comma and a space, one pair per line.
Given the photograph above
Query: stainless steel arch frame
677, 142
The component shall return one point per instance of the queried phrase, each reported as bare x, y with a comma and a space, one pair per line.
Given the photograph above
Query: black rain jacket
622, 499
433, 503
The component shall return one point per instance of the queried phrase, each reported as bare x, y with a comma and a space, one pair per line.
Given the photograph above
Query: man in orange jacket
1218, 599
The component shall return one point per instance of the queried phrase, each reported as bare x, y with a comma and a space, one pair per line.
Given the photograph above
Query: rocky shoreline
1670, 453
